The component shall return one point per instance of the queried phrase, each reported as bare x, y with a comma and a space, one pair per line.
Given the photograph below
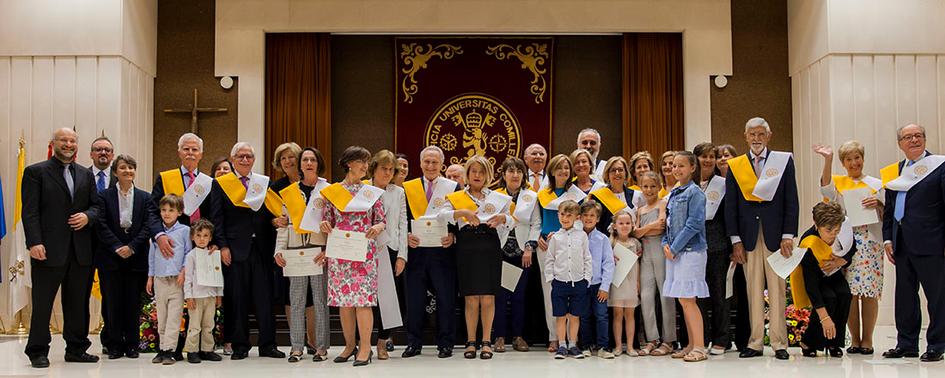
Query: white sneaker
586, 352
716, 351
605, 354
633, 352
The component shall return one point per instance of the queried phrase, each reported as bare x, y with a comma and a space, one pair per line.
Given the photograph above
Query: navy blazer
238, 228
923, 224
157, 192
47, 207
779, 216
111, 236
606, 217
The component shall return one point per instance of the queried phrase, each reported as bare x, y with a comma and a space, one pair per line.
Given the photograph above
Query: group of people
678, 229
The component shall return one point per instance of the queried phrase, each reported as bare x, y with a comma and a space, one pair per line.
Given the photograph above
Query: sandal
680, 353
663, 350
647, 349
499, 345
486, 354
552, 346
295, 356
696, 355
470, 354
633, 352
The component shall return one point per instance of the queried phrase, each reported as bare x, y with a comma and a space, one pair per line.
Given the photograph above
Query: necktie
70, 183
535, 182
100, 183
196, 214
900, 211
429, 190
758, 160
243, 180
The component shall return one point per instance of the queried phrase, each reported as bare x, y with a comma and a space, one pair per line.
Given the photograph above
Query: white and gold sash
172, 182
550, 201
254, 195
599, 171
256, 191
714, 193
305, 216
845, 183
763, 188
609, 199
915, 173
339, 196
417, 198
522, 208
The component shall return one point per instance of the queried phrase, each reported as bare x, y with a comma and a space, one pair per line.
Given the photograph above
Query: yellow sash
235, 191
745, 176
173, 182
295, 205
609, 199
889, 173
546, 195
822, 252
416, 197
635, 188
844, 183
511, 203
337, 195
462, 201
663, 193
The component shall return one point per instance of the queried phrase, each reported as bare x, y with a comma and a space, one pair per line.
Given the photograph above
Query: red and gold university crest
474, 124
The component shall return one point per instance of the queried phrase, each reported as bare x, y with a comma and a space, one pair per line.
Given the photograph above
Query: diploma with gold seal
430, 231
301, 262
347, 245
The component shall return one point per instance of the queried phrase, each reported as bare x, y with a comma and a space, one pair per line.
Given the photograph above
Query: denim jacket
685, 220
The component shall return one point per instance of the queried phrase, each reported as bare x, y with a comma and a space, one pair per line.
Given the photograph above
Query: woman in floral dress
865, 272
352, 285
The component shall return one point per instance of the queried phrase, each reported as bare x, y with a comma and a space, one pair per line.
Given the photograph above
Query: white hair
239, 146
757, 122
535, 145
899, 129
189, 137
589, 130
436, 149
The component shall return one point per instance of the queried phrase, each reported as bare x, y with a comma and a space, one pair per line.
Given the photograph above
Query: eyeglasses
244, 157
102, 149
910, 137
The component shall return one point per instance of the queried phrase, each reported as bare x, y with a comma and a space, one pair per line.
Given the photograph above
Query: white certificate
784, 266
347, 245
301, 262
626, 259
430, 231
853, 202
729, 277
209, 270
510, 276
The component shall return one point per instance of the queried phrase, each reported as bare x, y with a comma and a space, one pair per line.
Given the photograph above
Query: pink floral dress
353, 283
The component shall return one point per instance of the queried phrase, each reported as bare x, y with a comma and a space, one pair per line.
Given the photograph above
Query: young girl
685, 247
625, 298
651, 222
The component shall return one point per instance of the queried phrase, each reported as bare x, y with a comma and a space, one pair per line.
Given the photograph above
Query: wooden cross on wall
194, 112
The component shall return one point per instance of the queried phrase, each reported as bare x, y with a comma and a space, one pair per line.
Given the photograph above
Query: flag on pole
3, 218
20, 280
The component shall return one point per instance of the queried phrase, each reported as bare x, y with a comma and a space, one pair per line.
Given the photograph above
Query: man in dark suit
189, 151
762, 224
122, 258
59, 203
246, 246
102, 153
914, 235
430, 267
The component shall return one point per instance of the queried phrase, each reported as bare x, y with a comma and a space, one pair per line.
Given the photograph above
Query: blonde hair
569, 207
277, 154
652, 175
850, 147
610, 164
579, 152
642, 155
613, 224
486, 167
554, 164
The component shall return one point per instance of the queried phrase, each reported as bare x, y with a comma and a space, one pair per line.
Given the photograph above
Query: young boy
202, 300
166, 279
568, 268
602, 274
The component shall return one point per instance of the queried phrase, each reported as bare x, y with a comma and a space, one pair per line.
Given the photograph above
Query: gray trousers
652, 275
298, 289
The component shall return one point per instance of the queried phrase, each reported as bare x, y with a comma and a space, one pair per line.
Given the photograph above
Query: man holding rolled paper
914, 239
243, 231
429, 261
761, 215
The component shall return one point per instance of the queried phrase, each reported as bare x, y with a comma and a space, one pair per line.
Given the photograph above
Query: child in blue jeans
602, 274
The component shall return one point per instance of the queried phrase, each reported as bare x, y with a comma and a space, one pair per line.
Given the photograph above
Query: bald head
64, 142
456, 173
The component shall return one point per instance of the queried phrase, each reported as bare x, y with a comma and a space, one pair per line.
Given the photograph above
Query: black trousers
76, 281
246, 283
431, 268
740, 294
121, 306
835, 292
911, 272
716, 325
399, 285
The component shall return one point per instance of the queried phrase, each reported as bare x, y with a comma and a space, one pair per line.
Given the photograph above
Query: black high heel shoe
835, 352
342, 359
358, 362
808, 352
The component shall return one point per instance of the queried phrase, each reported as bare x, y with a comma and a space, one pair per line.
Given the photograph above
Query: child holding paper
602, 268
626, 297
202, 301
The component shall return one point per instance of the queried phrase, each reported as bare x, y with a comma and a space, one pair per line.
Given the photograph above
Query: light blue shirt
160, 266
602, 259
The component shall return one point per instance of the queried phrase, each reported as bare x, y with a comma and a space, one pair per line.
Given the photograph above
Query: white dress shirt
569, 256
758, 168
126, 203
106, 171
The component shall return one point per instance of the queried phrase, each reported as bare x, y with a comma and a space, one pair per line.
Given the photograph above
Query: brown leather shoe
519, 344
499, 345
552, 346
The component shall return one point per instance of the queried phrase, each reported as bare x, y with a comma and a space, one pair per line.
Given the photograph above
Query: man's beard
62, 155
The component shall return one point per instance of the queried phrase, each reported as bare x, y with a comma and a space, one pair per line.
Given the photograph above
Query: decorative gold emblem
489, 209
199, 189
771, 172
438, 202
714, 196
347, 235
318, 203
921, 170
301, 253
257, 188
533, 59
415, 57
527, 198
474, 124
368, 194
216, 268
429, 223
